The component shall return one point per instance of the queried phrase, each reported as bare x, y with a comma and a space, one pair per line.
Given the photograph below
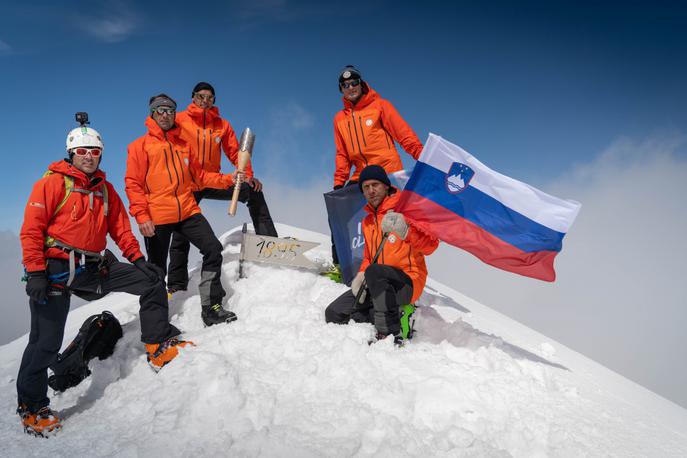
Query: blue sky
586, 100
529, 89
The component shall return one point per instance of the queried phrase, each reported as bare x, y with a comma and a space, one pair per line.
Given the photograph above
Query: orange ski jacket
207, 134
80, 222
161, 175
364, 134
407, 255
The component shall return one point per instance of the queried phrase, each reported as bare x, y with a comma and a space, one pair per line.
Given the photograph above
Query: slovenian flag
504, 222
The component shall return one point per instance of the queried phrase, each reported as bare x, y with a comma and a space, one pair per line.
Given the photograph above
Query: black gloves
153, 272
37, 286
338, 186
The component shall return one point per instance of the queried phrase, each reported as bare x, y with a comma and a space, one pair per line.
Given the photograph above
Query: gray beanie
161, 100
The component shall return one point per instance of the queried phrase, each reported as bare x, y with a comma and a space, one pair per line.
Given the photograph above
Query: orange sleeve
205, 179
342, 162
46, 195
230, 145
400, 130
119, 227
135, 181
421, 241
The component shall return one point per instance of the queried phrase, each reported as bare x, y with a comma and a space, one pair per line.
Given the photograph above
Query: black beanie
349, 72
373, 172
203, 85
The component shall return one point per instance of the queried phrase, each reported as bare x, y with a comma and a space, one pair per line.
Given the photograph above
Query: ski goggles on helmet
95, 152
164, 110
350, 83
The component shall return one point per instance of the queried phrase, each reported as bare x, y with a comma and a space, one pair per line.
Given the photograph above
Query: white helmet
84, 136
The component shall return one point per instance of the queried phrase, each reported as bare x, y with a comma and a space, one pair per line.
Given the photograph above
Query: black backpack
97, 337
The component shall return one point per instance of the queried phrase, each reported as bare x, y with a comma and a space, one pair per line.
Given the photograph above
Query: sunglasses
207, 97
95, 152
351, 83
164, 110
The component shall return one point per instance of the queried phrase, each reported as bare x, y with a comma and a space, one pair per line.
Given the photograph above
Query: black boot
215, 314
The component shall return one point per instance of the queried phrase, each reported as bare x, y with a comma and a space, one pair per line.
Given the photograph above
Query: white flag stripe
550, 211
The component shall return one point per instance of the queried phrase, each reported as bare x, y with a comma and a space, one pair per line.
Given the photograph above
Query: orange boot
43, 423
162, 353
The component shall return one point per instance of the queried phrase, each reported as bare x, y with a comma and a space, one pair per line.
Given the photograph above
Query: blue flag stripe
484, 211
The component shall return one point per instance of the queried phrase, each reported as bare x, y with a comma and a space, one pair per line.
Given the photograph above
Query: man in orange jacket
161, 175
365, 131
207, 134
67, 218
393, 271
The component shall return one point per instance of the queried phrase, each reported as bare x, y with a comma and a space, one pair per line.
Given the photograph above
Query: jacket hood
387, 204
195, 112
65, 168
155, 131
364, 100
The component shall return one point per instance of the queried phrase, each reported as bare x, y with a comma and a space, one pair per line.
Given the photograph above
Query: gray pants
387, 289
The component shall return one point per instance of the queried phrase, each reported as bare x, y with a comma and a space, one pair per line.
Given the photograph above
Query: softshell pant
48, 320
387, 289
259, 213
197, 230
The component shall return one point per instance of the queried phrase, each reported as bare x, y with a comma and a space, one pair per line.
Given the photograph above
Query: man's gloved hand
37, 286
356, 284
395, 222
151, 270
337, 186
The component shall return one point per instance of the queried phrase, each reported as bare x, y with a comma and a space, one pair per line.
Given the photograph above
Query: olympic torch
245, 152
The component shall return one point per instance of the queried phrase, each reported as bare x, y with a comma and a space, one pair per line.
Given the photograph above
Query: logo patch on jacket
217, 139
392, 238
368, 123
37, 204
186, 161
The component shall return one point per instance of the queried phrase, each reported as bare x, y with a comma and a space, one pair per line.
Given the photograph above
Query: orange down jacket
161, 176
364, 134
407, 255
76, 223
207, 134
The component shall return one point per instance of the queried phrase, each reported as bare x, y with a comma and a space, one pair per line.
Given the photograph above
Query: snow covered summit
280, 382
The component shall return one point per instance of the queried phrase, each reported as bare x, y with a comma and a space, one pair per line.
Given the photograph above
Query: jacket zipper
362, 134
176, 189
355, 129
203, 162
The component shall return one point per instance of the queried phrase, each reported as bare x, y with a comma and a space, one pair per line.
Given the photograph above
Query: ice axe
245, 153
363, 286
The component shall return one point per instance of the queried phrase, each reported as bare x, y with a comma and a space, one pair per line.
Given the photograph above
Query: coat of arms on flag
458, 177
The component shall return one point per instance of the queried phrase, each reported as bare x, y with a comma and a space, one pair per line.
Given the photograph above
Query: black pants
48, 320
259, 213
387, 289
197, 231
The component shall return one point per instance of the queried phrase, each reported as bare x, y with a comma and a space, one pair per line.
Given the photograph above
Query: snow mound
280, 382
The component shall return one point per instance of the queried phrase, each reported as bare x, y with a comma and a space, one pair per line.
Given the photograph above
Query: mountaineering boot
399, 341
162, 353
43, 423
171, 291
334, 273
215, 314
407, 321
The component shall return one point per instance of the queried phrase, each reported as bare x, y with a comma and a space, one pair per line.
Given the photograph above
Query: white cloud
5, 48
111, 22
620, 296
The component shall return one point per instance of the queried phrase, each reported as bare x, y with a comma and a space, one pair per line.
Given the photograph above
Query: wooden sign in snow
275, 250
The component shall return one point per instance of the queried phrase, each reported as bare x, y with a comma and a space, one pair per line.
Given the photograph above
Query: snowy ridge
281, 382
